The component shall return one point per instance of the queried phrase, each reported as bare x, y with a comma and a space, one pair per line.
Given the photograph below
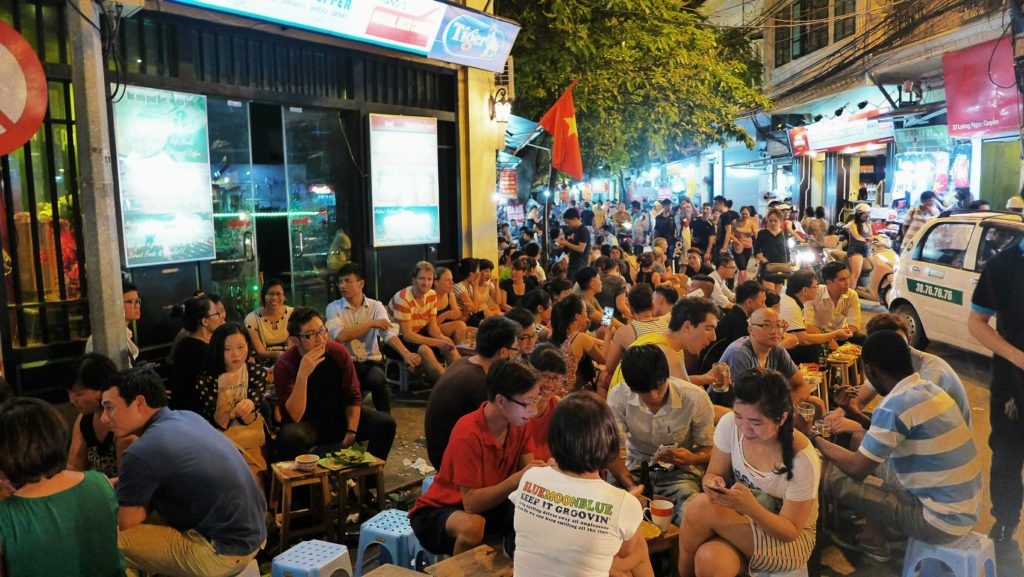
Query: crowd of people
657, 354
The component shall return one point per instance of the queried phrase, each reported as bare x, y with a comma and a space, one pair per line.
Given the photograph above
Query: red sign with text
981, 100
23, 97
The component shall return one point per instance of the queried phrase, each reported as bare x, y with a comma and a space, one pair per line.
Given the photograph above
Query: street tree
654, 77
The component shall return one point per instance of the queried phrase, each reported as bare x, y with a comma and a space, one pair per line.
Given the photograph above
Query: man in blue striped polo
917, 468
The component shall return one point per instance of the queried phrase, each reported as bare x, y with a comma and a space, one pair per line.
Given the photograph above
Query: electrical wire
991, 56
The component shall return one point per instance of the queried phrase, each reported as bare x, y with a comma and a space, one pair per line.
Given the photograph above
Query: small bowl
306, 462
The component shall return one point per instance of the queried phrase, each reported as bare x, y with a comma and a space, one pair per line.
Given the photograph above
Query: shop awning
520, 131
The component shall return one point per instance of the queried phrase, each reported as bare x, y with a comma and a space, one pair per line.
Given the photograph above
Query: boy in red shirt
488, 452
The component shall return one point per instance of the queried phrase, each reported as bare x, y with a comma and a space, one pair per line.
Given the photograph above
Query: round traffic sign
23, 94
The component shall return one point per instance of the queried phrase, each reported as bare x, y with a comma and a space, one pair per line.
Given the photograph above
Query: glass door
235, 270
315, 156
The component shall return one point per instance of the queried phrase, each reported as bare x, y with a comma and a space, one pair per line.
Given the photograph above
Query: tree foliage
654, 78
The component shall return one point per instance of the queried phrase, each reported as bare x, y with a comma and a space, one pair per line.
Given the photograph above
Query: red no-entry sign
23, 91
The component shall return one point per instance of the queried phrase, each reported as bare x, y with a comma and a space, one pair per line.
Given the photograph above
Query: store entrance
276, 171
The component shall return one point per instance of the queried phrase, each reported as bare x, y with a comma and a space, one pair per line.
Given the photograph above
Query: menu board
424, 27
163, 162
404, 180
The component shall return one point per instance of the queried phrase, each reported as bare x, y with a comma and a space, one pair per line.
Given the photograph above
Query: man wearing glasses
319, 395
132, 313
762, 350
463, 386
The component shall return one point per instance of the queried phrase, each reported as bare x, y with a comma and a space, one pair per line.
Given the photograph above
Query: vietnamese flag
560, 121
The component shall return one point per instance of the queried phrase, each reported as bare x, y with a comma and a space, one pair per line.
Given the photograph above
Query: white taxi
935, 278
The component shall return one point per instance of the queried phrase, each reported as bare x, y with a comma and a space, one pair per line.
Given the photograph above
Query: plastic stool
427, 482
391, 531
252, 569
971, 556
801, 572
403, 373
313, 559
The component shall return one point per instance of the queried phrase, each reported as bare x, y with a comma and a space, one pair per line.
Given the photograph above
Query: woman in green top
57, 522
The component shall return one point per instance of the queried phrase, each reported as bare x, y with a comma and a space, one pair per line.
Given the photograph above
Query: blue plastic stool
971, 556
313, 559
427, 482
391, 530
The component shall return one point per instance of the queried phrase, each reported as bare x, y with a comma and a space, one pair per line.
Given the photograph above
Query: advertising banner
981, 93
424, 27
404, 180
507, 183
163, 162
843, 132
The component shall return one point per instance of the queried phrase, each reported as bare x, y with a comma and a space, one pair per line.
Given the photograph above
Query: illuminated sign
840, 133
424, 27
163, 161
404, 178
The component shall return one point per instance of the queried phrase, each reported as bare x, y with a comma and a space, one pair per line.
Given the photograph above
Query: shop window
41, 23
845, 21
40, 226
946, 244
994, 240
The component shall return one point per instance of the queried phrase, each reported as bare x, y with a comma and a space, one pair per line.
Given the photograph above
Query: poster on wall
404, 180
163, 162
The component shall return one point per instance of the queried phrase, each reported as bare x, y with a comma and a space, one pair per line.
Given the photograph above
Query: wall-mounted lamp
500, 105
839, 111
817, 118
862, 104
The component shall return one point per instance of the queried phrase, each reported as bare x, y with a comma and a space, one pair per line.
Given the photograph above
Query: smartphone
717, 489
606, 319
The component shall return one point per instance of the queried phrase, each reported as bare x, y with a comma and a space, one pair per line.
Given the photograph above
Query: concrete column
99, 218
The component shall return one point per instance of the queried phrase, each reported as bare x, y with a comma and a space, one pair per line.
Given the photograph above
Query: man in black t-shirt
665, 225
999, 294
702, 229
726, 217
587, 216
695, 264
463, 386
576, 241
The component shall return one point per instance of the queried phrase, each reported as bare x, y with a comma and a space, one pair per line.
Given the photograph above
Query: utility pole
99, 215
1017, 24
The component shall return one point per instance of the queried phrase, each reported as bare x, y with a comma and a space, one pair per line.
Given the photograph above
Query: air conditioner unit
122, 8
507, 79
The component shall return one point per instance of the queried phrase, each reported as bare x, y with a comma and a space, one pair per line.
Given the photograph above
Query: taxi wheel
905, 311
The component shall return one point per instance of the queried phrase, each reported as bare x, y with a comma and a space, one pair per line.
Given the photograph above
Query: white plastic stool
252, 569
801, 572
313, 558
971, 556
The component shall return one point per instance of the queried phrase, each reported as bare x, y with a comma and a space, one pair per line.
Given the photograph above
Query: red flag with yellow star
560, 121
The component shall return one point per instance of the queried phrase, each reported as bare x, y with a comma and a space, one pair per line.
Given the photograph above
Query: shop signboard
507, 183
404, 180
163, 162
425, 27
841, 133
23, 98
981, 93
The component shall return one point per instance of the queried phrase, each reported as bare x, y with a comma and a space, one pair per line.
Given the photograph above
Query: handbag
782, 268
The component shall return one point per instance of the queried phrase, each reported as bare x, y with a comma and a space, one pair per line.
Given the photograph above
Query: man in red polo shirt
489, 451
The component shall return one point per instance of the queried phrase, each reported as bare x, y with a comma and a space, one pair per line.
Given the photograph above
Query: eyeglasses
313, 334
527, 337
216, 314
522, 404
133, 302
779, 326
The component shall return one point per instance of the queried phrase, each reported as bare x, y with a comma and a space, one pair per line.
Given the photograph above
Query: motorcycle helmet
1015, 203
862, 207
881, 240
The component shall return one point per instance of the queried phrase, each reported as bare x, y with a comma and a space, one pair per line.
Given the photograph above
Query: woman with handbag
743, 232
772, 252
231, 390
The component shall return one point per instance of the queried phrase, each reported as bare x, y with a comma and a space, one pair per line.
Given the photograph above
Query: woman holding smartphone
760, 503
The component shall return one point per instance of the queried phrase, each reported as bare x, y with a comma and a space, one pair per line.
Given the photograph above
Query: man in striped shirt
917, 468
414, 308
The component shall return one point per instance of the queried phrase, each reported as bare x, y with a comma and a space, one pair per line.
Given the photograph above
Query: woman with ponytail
580, 349
760, 500
199, 317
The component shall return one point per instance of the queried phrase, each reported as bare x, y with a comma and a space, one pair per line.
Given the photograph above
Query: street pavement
973, 369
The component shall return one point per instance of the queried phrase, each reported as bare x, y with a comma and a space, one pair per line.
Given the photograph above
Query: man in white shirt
836, 305
360, 323
665, 422
132, 313
804, 341
725, 271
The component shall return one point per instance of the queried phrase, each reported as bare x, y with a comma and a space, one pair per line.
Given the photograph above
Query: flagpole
546, 254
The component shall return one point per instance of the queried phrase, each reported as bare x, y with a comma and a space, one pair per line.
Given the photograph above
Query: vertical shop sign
404, 180
507, 183
163, 162
981, 92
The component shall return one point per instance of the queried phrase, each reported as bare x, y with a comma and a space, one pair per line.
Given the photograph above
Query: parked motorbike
876, 274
